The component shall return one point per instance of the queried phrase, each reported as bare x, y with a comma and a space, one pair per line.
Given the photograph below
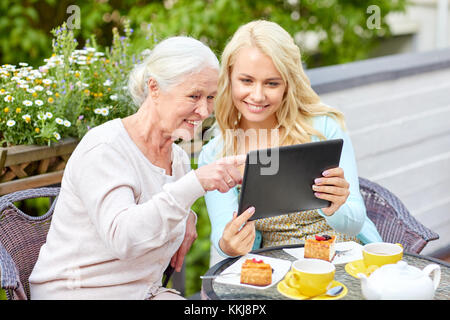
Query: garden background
119, 30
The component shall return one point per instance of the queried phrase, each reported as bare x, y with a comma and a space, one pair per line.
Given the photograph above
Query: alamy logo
74, 20
374, 20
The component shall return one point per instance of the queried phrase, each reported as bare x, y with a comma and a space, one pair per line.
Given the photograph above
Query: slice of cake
320, 247
256, 272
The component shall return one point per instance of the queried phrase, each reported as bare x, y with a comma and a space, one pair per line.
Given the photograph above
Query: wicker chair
21, 237
393, 221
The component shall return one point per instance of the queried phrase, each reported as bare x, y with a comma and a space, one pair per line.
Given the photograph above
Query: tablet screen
279, 180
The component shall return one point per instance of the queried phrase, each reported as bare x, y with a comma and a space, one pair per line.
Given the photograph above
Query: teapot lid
400, 270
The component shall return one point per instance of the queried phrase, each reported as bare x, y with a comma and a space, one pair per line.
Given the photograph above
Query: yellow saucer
358, 266
292, 293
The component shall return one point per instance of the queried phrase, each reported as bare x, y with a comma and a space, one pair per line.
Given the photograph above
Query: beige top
117, 223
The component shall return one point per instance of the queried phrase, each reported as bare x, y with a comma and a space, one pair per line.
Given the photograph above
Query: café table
212, 290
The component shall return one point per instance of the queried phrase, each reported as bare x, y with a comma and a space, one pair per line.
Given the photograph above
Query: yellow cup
310, 277
380, 253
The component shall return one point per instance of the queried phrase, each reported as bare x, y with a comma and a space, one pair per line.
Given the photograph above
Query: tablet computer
279, 180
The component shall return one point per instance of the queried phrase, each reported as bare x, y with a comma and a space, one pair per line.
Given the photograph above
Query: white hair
168, 63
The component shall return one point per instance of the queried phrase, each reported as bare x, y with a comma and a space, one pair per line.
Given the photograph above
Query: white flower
80, 51
43, 69
49, 93
57, 135
41, 116
104, 112
59, 121
23, 64
39, 102
98, 111
10, 123
31, 91
27, 118
107, 83
27, 103
39, 88
67, 123
99, 54
46, 81
9, 98
113, 97
49, 115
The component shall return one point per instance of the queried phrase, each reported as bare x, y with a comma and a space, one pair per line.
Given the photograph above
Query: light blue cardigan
350, 218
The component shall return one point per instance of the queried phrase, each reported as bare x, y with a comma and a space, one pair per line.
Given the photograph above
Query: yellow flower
77, 74
37, 130
34, 94
6, 110
57, 94
51, 100
18, 110
87, 92
2, 91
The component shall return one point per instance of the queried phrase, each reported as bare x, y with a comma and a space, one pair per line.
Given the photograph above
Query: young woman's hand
237, 241
332, 187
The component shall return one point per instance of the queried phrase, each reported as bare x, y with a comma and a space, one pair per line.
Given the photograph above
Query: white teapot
401, 282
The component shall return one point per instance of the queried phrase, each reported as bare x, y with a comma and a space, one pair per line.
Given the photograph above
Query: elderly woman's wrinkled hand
222, 174
189, 237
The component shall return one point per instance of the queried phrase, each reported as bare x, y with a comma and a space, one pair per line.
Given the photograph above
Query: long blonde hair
300, 103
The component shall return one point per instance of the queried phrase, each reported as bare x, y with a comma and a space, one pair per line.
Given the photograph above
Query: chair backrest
21, 237
393, 221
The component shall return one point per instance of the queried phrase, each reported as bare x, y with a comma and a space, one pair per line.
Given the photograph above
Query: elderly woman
123, 213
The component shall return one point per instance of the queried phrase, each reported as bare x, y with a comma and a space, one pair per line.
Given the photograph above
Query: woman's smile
256, 108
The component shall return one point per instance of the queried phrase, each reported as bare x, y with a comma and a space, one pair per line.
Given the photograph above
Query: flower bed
75, 90
44, 111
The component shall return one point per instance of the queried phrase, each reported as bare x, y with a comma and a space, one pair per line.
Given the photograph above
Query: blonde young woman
263, 88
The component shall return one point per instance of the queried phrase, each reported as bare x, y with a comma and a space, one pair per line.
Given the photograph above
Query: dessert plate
351, 251
358, 266
289, 292
232, 274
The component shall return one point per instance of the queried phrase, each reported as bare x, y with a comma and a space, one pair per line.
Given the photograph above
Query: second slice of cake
320, 247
